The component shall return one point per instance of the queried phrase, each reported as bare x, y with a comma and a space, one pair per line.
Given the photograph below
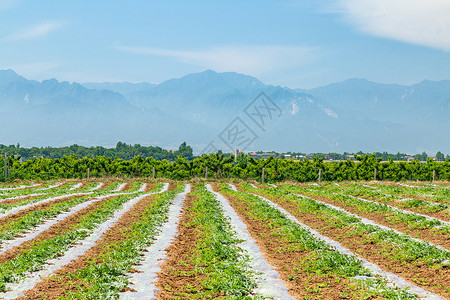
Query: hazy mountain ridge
348, 116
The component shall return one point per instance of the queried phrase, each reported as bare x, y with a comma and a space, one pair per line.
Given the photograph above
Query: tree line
222, 166
122, 150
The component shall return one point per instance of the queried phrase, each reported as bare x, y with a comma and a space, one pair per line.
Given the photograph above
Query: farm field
164, 239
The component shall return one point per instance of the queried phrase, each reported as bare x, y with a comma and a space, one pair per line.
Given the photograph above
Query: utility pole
375, 174
320, 175
262, 175
153, 173
434, 175
206, 173
88, 173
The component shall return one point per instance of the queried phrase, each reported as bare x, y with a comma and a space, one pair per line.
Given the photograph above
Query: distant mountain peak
209, 78
9, 75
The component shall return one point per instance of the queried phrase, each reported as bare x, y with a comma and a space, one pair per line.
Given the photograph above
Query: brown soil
149, 187
80, 187
106, 185
60, 283
174, 277
9, 220
55, 230
59, 184
301, 283
432, 278
15, 200
443, 215
413, 183
126, 187
429, 235
172, 186
28, 187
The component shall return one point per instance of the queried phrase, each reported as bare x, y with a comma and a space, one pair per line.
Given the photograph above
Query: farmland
116, 238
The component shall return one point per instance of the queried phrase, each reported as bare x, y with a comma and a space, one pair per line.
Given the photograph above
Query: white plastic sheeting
142, 187
26, 206
407, 185
369, 186
18, 289
427, 201
406, 199
269, 285
390, 277
9, 244
370, 222
144, 283
58, 184
404, 211
97, 187
23, 196
76, 186
120, 187
20, 187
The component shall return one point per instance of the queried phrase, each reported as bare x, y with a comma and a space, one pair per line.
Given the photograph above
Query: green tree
185, 151
440, 156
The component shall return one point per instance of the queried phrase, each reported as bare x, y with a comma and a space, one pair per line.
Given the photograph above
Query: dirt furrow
17, 199
8, 220
60, 228
288, 260
171, 280
433, 279
60, 283
426, 234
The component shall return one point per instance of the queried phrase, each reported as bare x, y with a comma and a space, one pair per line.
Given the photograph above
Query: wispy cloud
37, 31
254, 60
422, 22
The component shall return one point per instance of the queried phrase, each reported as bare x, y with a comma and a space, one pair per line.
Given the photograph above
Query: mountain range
212, 111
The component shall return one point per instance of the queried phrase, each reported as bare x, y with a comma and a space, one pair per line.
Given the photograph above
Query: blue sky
300, 44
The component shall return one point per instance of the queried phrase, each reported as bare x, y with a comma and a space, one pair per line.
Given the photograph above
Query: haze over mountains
348, 116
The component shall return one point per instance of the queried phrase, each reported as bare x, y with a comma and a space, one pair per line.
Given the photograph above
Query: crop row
311, 265
414, 260
431, 229
32, 255
105, 244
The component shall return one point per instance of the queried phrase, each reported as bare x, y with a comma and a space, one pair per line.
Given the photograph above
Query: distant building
262, 155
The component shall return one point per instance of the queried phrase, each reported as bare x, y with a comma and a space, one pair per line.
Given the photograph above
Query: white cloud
254, 60
422, 22
36, 31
